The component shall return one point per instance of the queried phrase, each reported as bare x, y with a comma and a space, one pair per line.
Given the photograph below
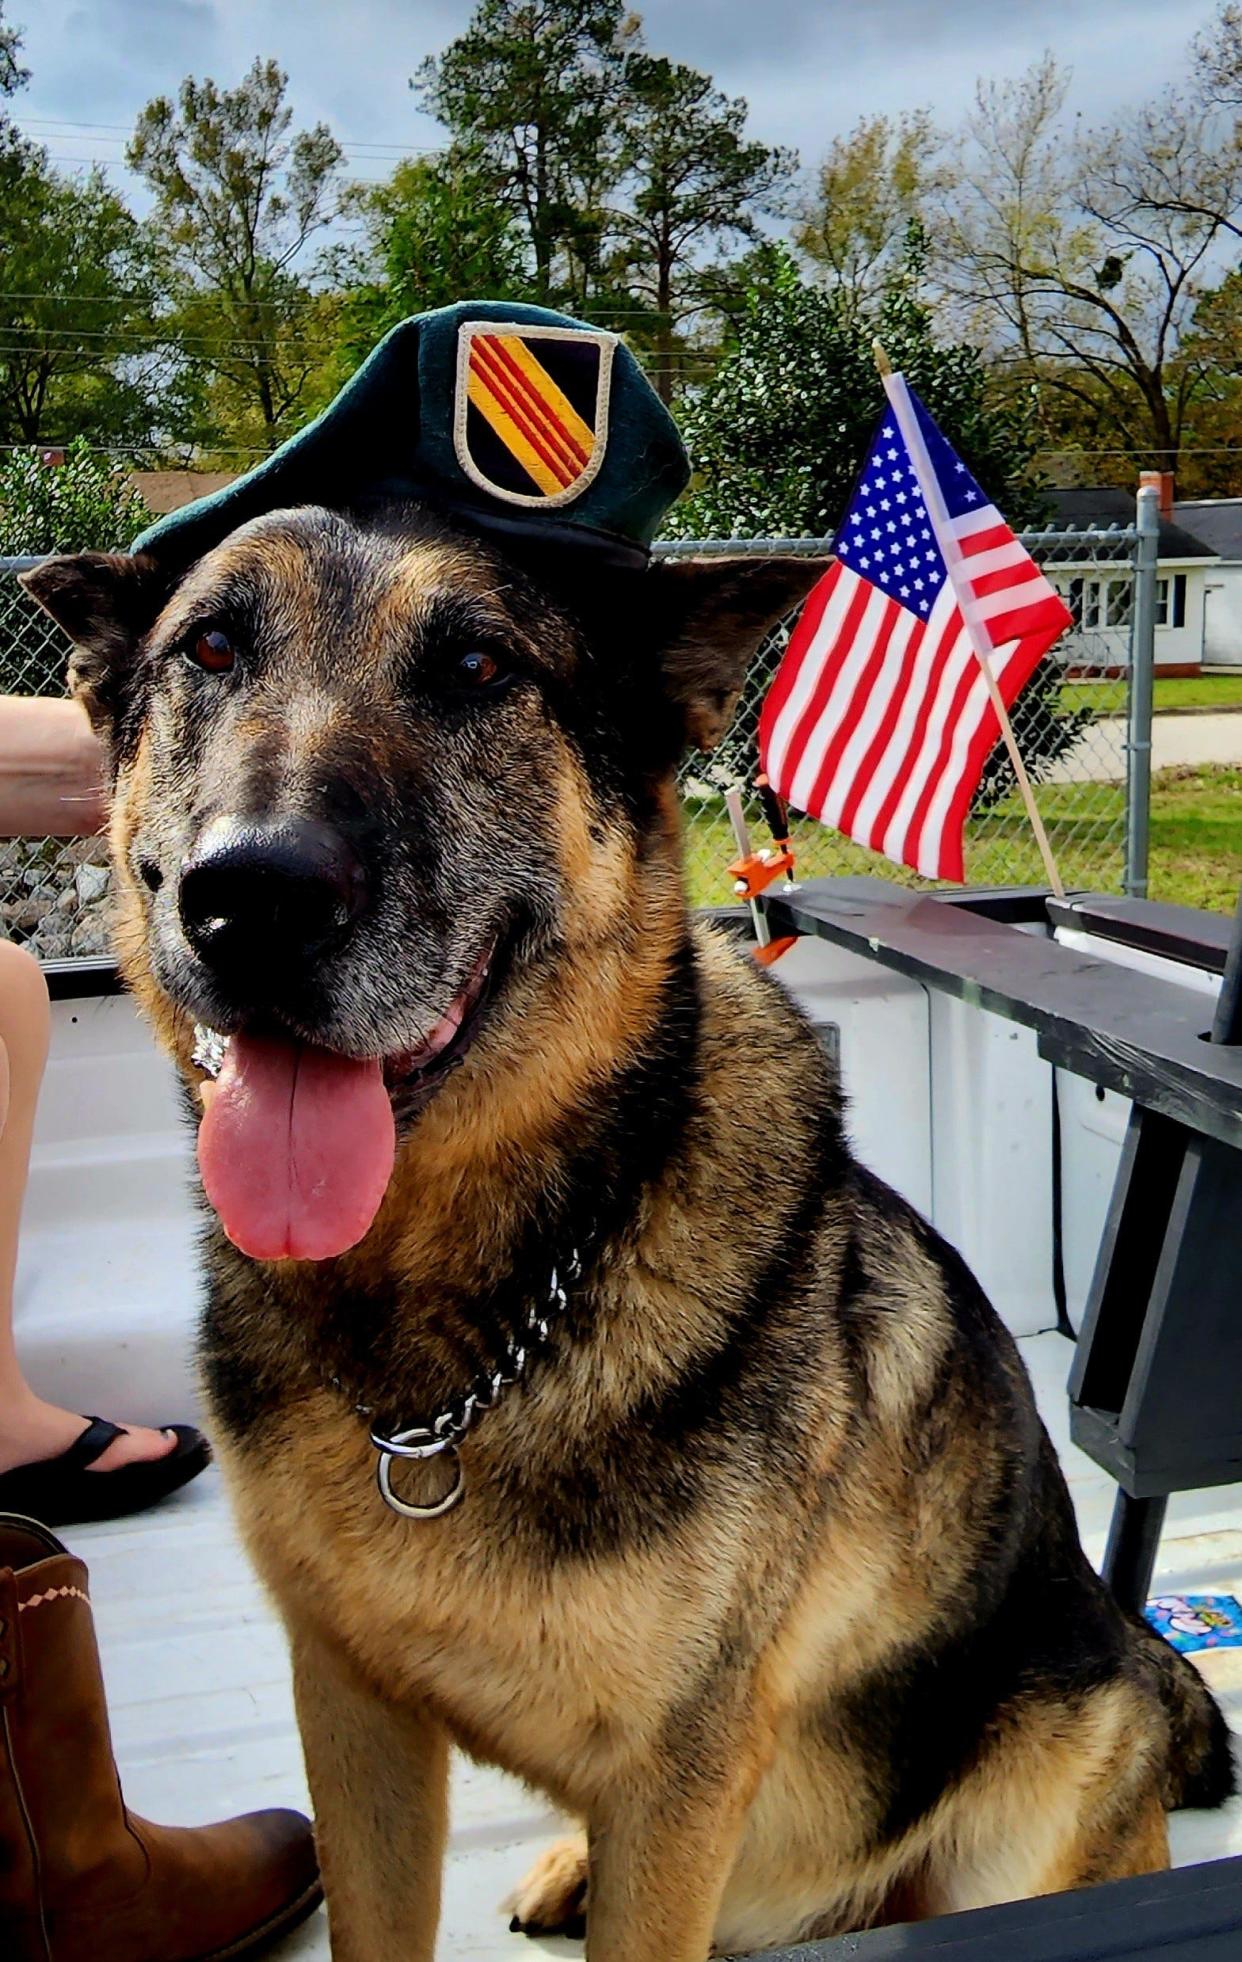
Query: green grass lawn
1196, 842
1221, 691
1196, 837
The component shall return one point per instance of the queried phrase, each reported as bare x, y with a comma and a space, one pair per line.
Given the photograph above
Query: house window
1107, 601
1097, 603
1171, 601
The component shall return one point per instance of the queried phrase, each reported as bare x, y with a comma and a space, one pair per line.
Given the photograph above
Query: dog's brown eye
479, 670
213, 651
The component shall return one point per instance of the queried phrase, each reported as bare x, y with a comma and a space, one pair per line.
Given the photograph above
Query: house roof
1216, 520
1102, 506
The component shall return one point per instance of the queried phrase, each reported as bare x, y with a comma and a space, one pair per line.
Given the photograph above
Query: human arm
51, 769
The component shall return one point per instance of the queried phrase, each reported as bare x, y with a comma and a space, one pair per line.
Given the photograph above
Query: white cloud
808, 69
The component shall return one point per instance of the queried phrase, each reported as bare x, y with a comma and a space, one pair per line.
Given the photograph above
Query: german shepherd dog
765, 1570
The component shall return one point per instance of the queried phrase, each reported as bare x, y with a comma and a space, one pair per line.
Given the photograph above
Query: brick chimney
1162, 480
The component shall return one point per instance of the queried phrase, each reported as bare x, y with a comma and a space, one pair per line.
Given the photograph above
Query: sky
808, 68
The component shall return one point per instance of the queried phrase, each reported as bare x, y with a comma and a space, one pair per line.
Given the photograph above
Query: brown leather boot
81, 1879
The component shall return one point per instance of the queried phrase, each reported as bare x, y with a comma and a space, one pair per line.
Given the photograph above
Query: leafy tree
74, 295
1217, 56
57, 237
692, 181
434, 234
238, 198
14, 148
1086, 256
77, 290
529, 94
1213, 454
12, 75
778, 435
868, 191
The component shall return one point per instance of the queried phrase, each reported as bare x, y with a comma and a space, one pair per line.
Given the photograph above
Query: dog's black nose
259, 897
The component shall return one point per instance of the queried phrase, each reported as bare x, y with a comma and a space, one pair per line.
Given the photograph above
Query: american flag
879, 721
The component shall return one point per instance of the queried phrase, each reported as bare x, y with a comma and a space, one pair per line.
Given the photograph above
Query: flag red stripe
1017, 672
888, 809
870, 761
1048, 617
536, 406
918, 817
982, 743
495, 385
974, 542
1011, 680
985, 583
791, 661
831, 663
858, 702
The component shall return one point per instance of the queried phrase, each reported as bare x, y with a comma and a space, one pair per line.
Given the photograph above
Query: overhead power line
219, 292
276, 176
65, 122
48, 130
692, 367
52, 124
126, 299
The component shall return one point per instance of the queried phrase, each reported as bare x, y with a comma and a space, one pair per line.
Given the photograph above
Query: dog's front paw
553, 1897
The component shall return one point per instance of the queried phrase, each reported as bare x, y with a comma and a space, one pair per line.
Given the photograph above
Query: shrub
85, 504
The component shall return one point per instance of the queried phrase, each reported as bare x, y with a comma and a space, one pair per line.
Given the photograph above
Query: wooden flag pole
947, 541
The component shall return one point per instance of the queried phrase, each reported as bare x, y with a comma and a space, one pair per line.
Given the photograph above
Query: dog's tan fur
711, 1637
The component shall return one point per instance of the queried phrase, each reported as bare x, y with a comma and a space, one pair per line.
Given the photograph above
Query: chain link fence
1070, 724
53, 891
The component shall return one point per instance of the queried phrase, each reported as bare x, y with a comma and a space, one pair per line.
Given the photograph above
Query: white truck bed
194, 1659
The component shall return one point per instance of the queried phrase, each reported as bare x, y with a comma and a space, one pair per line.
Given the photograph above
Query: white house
1218, 522
1099, 589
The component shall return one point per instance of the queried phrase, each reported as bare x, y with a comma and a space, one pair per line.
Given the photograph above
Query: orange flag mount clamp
755, 870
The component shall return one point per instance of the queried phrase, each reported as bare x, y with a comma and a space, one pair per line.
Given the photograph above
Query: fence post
1142, 667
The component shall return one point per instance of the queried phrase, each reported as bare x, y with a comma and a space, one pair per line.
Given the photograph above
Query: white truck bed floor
201, 1709
194, 1660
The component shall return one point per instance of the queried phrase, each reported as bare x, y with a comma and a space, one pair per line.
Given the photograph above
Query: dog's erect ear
105, 601
710, 616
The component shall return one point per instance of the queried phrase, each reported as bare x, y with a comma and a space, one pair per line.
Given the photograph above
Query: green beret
514, 418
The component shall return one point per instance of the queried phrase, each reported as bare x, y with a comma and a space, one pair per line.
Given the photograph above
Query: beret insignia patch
530, 421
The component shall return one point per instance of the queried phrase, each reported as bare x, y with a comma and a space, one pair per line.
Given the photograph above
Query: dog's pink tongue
296, 1149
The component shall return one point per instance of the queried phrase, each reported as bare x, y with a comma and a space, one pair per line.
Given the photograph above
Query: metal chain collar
447, 1431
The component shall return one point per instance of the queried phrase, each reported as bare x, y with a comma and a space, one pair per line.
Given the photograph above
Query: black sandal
63, 1492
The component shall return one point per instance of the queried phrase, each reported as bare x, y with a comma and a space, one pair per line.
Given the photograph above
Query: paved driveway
1099, 755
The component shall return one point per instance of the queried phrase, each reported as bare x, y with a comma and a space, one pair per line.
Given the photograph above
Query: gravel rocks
54, 895
91, 883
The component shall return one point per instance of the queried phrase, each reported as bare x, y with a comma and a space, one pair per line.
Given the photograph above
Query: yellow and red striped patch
531, 411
